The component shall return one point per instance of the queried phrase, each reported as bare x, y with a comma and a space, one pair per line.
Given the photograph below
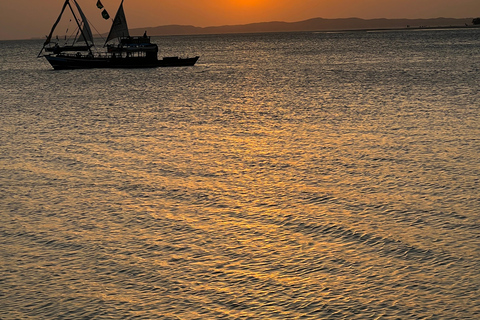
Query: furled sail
119, 27
86, 35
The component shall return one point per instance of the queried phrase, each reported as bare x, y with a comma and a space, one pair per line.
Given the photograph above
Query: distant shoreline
311, 25
316, 25
408, 28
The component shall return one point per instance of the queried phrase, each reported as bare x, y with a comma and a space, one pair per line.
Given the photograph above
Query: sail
119, 25
86, 35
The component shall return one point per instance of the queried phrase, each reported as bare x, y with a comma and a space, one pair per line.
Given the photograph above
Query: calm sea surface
286, 176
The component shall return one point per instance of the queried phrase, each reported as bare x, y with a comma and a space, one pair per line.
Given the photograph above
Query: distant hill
317, 24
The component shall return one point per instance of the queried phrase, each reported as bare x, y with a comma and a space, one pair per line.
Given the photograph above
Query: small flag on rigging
105, 15
99, 4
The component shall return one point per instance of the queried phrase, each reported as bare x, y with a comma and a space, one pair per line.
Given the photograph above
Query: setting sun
246, 4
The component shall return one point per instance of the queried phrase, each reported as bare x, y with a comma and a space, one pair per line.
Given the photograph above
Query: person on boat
56, 49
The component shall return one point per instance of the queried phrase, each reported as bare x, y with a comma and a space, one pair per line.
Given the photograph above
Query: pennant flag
105, 15
99, 4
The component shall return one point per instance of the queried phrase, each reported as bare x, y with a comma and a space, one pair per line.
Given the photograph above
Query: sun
246, 4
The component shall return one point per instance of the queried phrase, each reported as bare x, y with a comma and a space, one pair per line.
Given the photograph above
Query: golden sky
22, 19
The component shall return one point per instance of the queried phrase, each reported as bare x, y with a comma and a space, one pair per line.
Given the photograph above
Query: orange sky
21, 19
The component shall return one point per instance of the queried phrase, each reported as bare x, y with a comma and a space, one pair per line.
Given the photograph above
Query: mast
49, 37
56, 23
86, 33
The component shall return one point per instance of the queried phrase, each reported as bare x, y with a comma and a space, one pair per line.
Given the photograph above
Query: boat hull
64, 62
177, 62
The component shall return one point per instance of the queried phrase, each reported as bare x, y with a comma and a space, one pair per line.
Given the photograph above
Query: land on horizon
310, 25
315, 24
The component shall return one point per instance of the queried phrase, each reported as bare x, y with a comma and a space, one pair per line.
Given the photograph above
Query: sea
285, 176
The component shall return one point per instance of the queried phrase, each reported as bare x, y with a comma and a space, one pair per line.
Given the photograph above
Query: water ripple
342, 185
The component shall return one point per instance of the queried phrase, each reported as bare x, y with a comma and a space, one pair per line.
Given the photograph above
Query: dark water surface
286, 176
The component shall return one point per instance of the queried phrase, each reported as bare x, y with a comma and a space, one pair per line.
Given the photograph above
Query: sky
25, 19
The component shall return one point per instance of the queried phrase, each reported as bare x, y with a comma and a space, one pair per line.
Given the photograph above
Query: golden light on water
286, 176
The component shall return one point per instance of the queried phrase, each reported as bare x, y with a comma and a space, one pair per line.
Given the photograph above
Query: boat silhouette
120, 49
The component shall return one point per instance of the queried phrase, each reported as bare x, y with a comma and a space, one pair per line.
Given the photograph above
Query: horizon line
279, 21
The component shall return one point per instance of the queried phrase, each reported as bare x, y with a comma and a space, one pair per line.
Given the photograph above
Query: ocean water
285, 176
